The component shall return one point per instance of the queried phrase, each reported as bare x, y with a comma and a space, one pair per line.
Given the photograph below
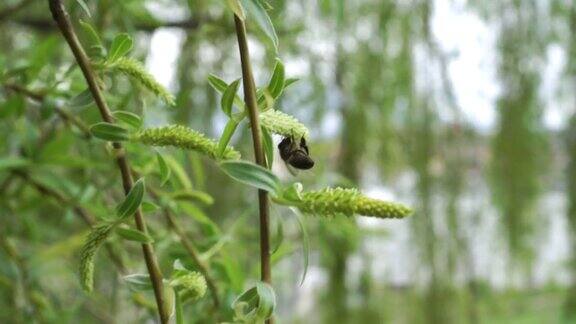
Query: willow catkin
280, 123
94, 241
136, 71
191, 285
332, 201
185, 138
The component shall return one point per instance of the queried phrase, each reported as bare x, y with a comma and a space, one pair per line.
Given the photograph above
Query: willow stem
63, 21
252, 105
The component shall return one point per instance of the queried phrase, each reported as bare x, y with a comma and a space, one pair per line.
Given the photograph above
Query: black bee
295, 155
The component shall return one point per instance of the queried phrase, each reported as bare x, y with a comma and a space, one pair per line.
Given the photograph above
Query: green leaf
217, 83
229, 130
305, 242
133, 235
132, 201
128, 118
276, 84
255, 305
257, 12
198, 215
81, 100
220, 85
165, 171
193, 195
169, 297
228, 97
109, 132
268, 146
267, 301
14, 163
96, 49
148, 207
84, 7
138, 282
236, 7
121, 45
290, 81
252, 175
279, 236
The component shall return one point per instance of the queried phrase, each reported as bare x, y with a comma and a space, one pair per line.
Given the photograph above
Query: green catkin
95, 239
332, 201
135, 70
185, 138
191, 285
283, 124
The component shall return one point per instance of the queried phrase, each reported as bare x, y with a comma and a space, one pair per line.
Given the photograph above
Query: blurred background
462, 109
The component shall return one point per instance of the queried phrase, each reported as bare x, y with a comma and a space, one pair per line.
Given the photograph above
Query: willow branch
252, 104
187, 243
63, 21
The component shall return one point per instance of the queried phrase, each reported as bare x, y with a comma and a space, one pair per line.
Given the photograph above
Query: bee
294, 154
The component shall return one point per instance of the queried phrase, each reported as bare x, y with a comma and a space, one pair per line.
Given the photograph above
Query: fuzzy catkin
332, 201
135, 70
95, 239
191, 285
283, 124
185, 138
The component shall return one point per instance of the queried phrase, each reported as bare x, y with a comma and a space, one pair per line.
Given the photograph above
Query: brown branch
62, 19
252, 104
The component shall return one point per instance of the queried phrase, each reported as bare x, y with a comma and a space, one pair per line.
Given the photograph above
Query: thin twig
81, 212
63, 113
62, 19
252, 104
190, 247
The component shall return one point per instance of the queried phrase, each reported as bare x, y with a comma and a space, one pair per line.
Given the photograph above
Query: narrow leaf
220, 85
257, 12
121, 45
133, 235
268, 146
228, 97
14, 163
252, 175
148, 207
109, 132
128, 118
84, 7
81, 100
305, 242
132, 201
276, 84
164, 169
194, 196
236, 7
138, 282
267, 300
